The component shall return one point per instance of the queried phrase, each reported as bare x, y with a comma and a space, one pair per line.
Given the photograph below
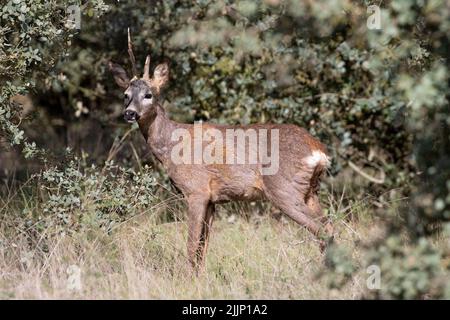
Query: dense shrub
75, 195
33, 38
74, 198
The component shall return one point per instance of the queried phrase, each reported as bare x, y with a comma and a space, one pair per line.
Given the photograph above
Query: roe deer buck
293, 188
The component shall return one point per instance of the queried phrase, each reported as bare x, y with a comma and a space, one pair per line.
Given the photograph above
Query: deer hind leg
326, 234
297, 210
196, 219
313, 203
291, 198
301, 213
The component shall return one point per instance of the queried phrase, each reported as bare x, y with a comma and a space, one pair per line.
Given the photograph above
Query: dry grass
257, 259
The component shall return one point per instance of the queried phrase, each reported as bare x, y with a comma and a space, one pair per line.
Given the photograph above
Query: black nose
130, 115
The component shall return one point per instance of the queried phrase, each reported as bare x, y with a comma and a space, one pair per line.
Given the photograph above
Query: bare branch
367, 176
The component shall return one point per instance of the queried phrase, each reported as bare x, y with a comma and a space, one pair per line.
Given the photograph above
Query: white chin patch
317, 157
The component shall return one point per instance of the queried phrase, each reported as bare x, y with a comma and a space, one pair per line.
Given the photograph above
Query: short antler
147, 68
130, 52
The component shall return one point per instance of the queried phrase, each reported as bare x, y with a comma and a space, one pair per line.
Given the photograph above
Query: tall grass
262, 258
83, 232
253, 253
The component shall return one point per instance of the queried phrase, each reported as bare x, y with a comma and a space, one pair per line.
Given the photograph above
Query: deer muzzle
130, 116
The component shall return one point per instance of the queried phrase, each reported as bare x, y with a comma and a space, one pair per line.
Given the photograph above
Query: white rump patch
317, 157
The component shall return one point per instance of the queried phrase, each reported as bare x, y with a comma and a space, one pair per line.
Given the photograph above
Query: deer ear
161, 75
119, 75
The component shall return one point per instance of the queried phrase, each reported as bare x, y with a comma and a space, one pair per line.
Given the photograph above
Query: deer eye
125, 96
148, 96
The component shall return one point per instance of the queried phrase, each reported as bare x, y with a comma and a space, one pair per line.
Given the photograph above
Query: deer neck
157, 128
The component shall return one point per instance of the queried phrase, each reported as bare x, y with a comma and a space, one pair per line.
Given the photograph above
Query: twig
367, 176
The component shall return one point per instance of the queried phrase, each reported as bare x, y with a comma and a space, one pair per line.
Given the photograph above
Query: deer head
141, 94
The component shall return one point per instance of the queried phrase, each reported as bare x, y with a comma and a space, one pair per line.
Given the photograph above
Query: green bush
74, 197
34, 36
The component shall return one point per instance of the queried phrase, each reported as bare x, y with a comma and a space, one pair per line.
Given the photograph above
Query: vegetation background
80, 191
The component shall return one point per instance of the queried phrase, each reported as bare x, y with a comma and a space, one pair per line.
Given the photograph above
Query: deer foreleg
196, 219
205, 234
